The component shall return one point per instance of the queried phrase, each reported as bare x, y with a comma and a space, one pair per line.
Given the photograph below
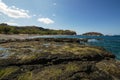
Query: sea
110, 43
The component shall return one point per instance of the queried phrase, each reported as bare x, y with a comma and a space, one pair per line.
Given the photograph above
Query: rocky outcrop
55, 60
68, 40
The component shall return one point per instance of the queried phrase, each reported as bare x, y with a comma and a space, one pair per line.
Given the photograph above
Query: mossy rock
4, 72
110, 67
25, 76
36, 60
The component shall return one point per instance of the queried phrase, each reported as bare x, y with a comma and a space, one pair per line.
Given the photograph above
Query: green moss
7, 71
48, 74
56, 72
26, 58
109, 67
85, 49
72, 67
1, 51
25, 76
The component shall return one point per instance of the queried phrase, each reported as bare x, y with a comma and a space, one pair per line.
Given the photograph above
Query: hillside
7, 29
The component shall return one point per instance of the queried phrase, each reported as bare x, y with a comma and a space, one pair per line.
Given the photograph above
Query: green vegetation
109, 68
93, 34
51, 72
25, 76
57, 72
7, 71
6, 29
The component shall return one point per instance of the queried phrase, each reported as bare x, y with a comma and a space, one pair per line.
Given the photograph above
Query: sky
77, 15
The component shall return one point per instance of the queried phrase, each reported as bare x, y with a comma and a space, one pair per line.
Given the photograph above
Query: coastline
58, 58
23, 36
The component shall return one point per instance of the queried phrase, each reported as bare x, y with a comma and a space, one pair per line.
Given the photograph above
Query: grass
72, 67
109, 68
25, 76
48, 73
27, 51
66, 47
56, 72
77, 50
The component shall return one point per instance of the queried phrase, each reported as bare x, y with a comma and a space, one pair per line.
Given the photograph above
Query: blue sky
78, 15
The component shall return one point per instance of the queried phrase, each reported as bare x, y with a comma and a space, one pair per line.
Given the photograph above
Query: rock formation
57, 60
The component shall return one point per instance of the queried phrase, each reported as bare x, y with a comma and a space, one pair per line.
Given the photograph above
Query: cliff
52, 59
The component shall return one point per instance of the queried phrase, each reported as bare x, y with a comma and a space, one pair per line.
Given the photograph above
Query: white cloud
46, 20
13, 11
11, 23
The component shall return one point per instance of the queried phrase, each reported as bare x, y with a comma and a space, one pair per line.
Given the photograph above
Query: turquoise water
4, 53
110, 43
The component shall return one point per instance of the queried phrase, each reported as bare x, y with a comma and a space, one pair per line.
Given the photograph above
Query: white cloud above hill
13, 11
46, 20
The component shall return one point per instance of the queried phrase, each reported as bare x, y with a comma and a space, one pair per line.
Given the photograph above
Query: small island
92, 34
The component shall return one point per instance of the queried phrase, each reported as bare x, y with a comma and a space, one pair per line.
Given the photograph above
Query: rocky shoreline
25, 38
56, 59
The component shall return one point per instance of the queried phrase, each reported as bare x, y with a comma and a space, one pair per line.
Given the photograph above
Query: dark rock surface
70, 40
